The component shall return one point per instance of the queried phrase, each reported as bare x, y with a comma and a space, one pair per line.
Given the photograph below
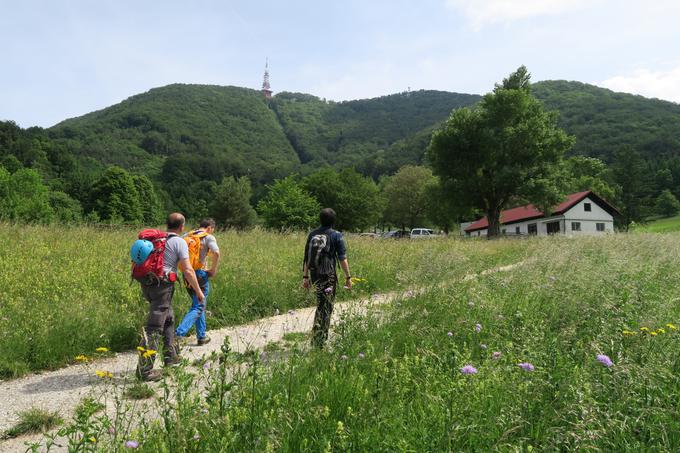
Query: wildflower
661, 330
328, 290
496, 355
644, 329
483, 346
468, 369
526, 366
604, 360
356, 280
478, 328
93, 440
104, 374
140, 349
552, 278
149, 353
112, 430
471, 304
102, 349
671, 326
131, 444
653, 334
362, 355
197, 437
206, 365
450, 334
81, 358
343, 357
628, 332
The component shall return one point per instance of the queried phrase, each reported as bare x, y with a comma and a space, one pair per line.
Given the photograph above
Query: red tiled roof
529, 212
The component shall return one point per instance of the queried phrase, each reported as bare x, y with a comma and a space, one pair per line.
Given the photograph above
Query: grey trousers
160, 324
325, 295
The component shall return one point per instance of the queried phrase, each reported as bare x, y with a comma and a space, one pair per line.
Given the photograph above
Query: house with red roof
580, 213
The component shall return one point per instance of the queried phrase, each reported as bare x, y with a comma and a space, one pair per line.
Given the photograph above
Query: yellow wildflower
103, 374
102, 349
149, 353
628, 332
356, 280
93, 439
653, 334
140, 349
661, 330
644, 329
671, 326
81, 358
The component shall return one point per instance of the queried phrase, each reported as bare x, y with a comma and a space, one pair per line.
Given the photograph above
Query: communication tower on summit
266, 88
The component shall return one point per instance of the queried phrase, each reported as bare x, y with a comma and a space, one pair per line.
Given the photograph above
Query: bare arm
188, 271
344, 264
214, 263
305, 276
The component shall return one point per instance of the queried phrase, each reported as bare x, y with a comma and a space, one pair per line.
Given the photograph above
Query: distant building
580, 213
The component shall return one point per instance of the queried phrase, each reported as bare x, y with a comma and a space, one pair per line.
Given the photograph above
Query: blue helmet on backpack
141, 250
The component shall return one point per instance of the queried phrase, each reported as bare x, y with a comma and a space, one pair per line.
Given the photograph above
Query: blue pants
196, 314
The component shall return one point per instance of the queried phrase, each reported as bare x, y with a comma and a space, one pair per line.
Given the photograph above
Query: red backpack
151, 270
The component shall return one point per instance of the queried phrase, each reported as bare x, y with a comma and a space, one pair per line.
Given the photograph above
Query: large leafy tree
406, 195
114, 197
288, 206
588, 173
356, 199
632, 175
231, 207
150, 205
508, 147
24, 197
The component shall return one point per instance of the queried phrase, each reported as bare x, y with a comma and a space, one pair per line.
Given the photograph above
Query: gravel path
62, 390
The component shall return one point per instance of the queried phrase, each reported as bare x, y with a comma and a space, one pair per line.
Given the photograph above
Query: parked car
396, 234
422, 233
368, 235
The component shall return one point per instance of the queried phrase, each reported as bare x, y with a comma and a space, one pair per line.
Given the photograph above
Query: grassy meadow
577, 349
67, 290
663, 225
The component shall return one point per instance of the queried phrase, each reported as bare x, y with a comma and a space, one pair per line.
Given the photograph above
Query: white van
422, 233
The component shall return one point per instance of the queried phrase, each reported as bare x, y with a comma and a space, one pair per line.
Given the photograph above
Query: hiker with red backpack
156, 256
202, 244
325, 247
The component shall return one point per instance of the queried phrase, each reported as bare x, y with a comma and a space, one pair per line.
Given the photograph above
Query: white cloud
486, 12
654, 84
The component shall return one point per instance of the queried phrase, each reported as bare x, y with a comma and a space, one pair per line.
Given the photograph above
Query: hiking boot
173, 361
204, 340
152, 376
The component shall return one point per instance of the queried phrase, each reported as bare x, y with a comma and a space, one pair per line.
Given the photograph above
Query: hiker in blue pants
206, 247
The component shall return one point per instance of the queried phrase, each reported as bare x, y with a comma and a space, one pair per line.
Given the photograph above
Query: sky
61, 59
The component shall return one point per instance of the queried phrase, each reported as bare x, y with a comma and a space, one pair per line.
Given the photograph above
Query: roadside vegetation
576, 349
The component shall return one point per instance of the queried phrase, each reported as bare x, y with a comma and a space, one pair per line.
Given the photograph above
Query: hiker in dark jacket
325, 247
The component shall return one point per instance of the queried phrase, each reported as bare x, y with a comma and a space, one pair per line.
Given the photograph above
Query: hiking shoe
204, 340
174, 361
152, 376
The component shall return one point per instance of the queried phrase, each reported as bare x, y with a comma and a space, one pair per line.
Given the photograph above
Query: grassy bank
395, 381
66, 291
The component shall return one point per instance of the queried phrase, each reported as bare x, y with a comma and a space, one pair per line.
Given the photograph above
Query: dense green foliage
507, 147
288, 206
231, 207
406, 196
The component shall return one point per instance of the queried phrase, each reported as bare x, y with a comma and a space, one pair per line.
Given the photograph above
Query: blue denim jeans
196, 315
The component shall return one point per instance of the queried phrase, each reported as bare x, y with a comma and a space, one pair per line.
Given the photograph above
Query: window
516, 230
532, 229
599, 226
587, 207
575, 226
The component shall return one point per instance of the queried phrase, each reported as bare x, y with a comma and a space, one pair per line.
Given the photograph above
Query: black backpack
321, 254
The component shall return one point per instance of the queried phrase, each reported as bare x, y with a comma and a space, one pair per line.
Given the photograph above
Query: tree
231, 206
24, 197
587, 173
150, 205
66, 209
288, 206
406, 196
630, 173
666, 204
441, 208
114, 197
355, 198
506, 148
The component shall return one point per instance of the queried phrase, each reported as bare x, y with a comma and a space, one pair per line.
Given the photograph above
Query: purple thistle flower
131, 444
604, 360
478, 328
526, 366
483, 346
496, 355
206, 365
362, 355
468, 369
112, 430
450, 334
328, 290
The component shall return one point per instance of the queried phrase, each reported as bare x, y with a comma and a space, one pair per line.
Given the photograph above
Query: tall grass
67, 290
393, 381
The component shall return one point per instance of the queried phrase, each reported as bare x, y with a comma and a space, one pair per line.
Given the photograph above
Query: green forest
223, 151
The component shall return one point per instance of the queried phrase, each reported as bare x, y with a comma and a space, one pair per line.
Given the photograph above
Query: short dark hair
207, 222
327, 217
175, 221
